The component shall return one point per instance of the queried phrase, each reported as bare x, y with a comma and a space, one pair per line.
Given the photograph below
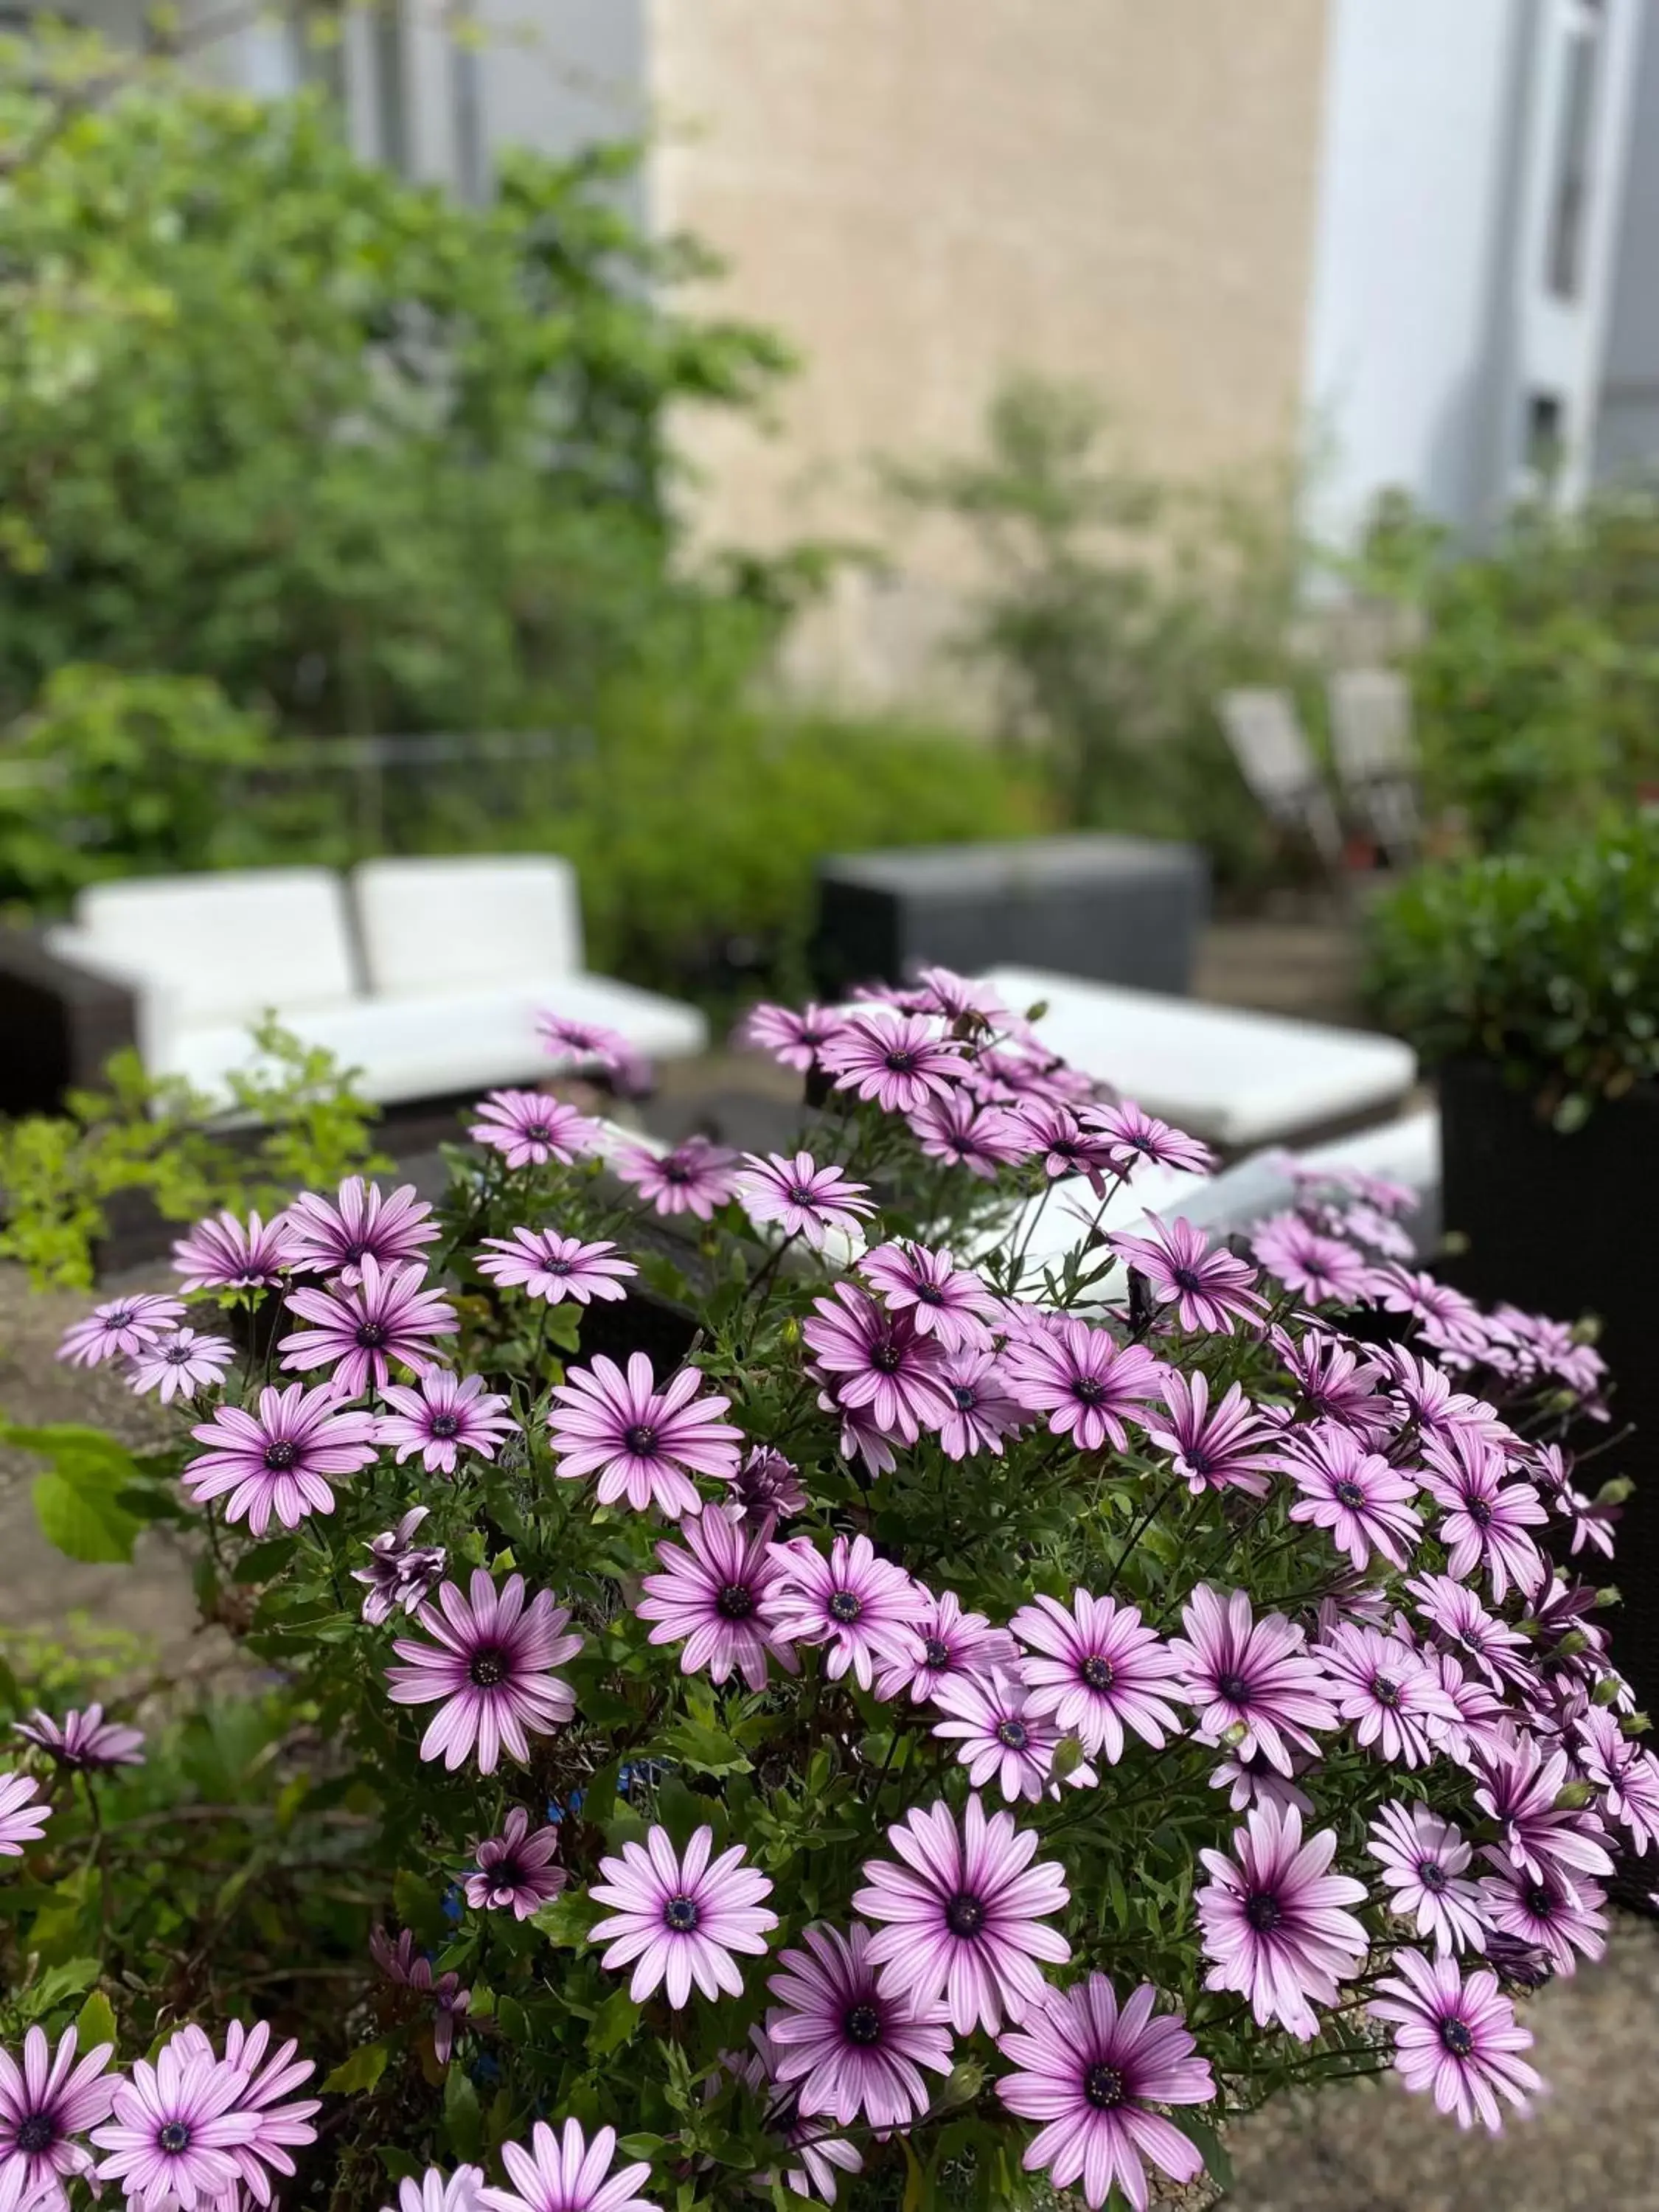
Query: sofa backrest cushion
429, 925
225, 946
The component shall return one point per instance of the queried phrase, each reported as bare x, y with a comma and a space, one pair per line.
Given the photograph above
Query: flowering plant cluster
840, 1674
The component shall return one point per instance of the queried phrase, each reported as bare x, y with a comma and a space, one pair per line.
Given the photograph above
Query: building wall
1627, 432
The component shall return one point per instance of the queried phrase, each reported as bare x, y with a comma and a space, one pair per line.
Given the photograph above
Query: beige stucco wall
924, 194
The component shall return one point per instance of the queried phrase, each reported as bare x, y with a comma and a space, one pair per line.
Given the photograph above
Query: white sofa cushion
222, 947
1234, 1077
437, 925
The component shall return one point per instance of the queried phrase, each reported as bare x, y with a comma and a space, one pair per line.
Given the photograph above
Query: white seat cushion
437, 925
1234, 1077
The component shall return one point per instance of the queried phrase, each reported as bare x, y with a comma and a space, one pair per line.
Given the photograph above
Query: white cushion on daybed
505, 917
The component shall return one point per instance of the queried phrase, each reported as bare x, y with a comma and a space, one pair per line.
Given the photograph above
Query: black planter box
1120, 909
1568, 1225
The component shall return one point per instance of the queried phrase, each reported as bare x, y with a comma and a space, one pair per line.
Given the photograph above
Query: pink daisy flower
678, 1918
696, 1178
585, 1045
878, 1360
825, 2155
1448, 1319
1520, 1791
488, 1669
46, 2105
22, 1821
1136, 1136
283, 1460
1209, 1289
946, 1642
999, 1736
644, 1443
983, 1413
900, 1063
963, 1916
122, 1328
1099, 1667
437, 2191
855, 2045
1457, 2037
1364, 1501
1335, 1383
1091, 2072
443, 1416
1392, 1700
565, 2173
180, 1364
1624, 1771
719, 1597
1250, 1779
332, 1237
984, 1139
805, 1200
84, 1741
450, 2001
1321, 1269
1424, 1862
1087, 1382
860, 1436
1054, 1136
1560, 1918
1484, 1519
864, 1609
224, 1254
544, 1265
400, 1571
1226, 1446
528, 1129
766, 1488
1240, 1673
947, 1303
1274, 1920
1427, 1396
796, 1039
364, 1326
966, 999
1459, 1619
514, 1872
175, 2129
278, 2127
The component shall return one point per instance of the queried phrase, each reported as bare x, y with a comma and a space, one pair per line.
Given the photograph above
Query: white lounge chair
1375, 759
1277, 762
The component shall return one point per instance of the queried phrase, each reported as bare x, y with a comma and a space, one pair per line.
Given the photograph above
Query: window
1544, 426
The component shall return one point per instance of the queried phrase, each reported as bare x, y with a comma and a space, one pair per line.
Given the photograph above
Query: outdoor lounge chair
1276, 761
1376, 760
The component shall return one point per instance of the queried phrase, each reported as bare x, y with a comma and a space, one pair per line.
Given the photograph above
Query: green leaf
361, 2071
614, 2023
83, 1523
463, 2121
565, 1921
419, 1906
67, 1980
95, 2021
1208, 2143
640, 2146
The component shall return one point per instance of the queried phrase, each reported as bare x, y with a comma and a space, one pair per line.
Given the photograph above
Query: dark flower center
445, 1425
901, 1062
936, 1652
353, 1253
1012, 1735
371, 1336
1349, 1494
177, 1355
640, 1440
537, 1132
280, 1455
1386, 1692
1186, 1279
1234, 1688
1096, 1673
1432, 1876
964, 1397
174, 2135
1454, 2034
887, 1357
39, 2132
680, 1914
928, 1295
863, 2026
798, 1196
1263, 1911
1103, 2086
676, 1171
1539, 1902
1199, 1460
735, 1602
844, 1607
487, 1668
1480, 1512
1088, 1392
964, 1915
556, 1267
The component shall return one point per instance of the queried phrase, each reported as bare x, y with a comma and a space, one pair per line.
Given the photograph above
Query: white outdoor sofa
426, 976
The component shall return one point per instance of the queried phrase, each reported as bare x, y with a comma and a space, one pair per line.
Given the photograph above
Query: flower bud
1615, 1490
1607, 1691
1573, 1642
1233, 1736
1573, 1797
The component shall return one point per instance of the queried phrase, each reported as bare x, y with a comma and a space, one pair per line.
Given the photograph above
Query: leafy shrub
1548, 964
1085, 1535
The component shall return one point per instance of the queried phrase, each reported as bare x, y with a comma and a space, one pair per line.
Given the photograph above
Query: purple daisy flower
1484, 1519
1250, 1779
1380, 1685
514, 1870
437, 2191
824, 2154
46, 2105
794, 1038
175, 2129
1273, 1923
1428, 1398
1226, 1446
1099, 1667
984, 1139
544, 1265
180, 1364
867, 1610
1457, 2037
855, 2046
899, 1062
679, 1917
1321, 1269
767, 1488
23, 1819
589, 1045
1424, 1862
1241, 1672
1087, 1382
1136, 1136
1090, 2072
224, 1254
529, 1129
1459, 1619
283, 1460
644, 1444
1447, 1319
860, 1438
443, 1416
1054, 1136
946, 1641
719, 1596
967, 999
1335, 1384
565, 2173
451, 2003
1625, 1773
400, 1571
1364, 1501
878, 1360
85, 1741
490, 1670
278, 2127
696, 1178
1548, 1912
1209, 1289
1520, 1790
122, 1328
947, 1303
383, 1315
983, 1413
805, 1200
333, 1239
963, 1918
998, 1734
